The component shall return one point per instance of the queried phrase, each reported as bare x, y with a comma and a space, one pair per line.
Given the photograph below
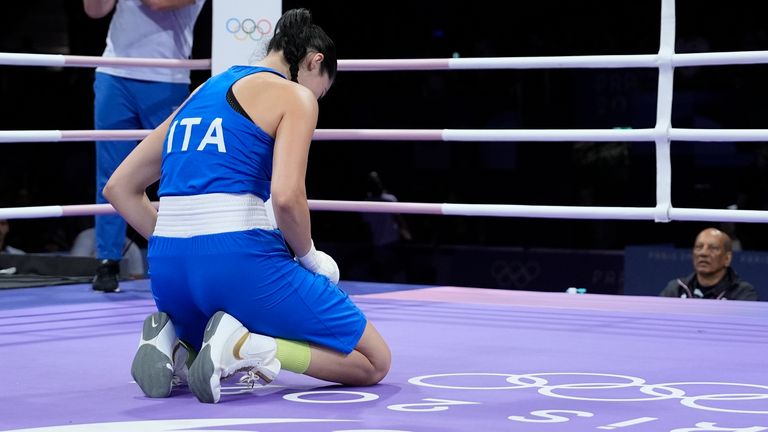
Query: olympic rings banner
241, 30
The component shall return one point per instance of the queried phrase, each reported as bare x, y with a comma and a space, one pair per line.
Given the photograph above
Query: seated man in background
131, 266
4, 247
713, 278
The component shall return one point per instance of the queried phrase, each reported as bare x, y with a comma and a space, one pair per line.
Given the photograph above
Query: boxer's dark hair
296, 35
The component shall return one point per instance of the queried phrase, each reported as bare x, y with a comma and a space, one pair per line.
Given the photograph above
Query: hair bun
294, 20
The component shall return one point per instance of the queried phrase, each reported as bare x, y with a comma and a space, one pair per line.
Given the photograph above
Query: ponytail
296, 35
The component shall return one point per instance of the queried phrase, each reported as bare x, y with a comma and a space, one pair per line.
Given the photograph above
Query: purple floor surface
464, 359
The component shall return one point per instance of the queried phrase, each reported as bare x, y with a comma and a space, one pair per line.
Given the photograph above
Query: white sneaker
160, 362
221, 357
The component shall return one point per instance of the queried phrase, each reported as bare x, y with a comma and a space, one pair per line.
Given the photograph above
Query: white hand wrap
321, 263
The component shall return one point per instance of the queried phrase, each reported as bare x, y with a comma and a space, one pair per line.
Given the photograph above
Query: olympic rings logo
247, 28
614, 388
514, 273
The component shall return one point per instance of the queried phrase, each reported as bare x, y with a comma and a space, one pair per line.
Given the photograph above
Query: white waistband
188, 216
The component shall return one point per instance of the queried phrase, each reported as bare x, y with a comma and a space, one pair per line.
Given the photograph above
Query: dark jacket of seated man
730, 287
713, 278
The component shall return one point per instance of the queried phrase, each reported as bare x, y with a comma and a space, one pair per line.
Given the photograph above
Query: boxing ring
463, 358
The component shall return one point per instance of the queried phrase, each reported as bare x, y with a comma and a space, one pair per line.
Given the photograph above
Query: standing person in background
135, 98
713, 277
386, 228
388, 232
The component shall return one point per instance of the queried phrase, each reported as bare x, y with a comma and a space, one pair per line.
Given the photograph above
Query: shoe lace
250, 378
177, 381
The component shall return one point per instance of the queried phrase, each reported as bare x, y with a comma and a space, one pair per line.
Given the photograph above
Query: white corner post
664, 112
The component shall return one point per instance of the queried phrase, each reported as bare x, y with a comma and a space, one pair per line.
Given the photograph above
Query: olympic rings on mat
607, 388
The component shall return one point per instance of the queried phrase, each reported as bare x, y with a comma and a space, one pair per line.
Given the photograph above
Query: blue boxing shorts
252, 276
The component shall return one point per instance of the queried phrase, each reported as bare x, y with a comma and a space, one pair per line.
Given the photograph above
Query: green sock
294, 356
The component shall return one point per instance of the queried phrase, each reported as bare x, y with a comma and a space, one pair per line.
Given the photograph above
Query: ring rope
446, 209
382, 65
61, 60
480, 135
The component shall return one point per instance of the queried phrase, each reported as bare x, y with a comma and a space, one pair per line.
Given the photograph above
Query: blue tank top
211, 148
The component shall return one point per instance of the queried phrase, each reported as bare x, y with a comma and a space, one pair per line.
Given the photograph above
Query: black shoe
106, 276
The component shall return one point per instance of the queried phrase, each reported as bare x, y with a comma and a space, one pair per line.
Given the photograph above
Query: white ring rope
662, 133
391, 65
487, 210
60, 60
478, 135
